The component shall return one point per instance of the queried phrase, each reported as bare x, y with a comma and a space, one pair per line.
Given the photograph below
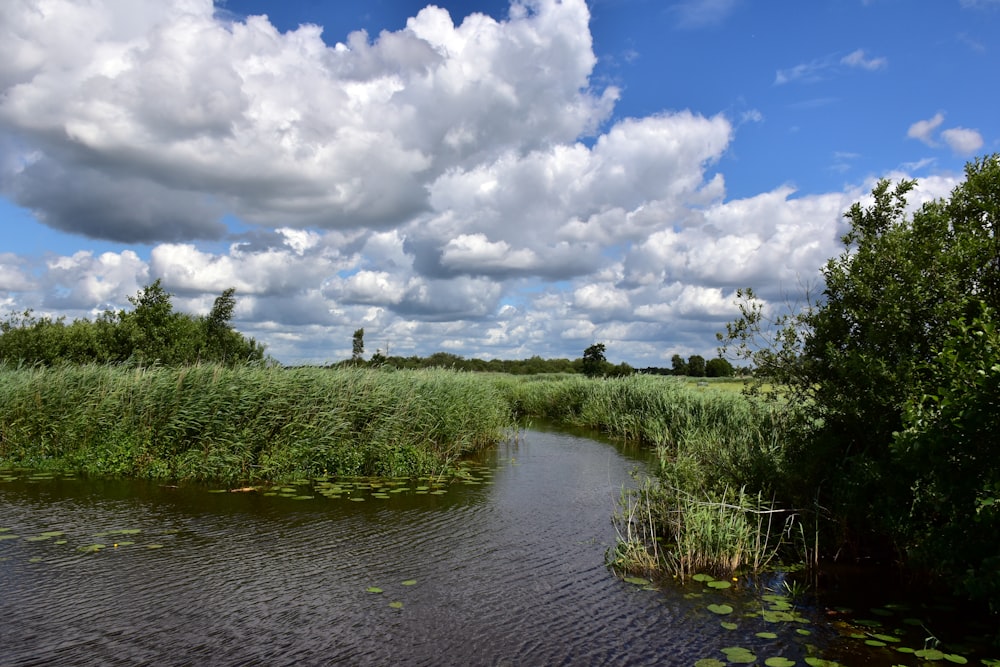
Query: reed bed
688, 519
246, 424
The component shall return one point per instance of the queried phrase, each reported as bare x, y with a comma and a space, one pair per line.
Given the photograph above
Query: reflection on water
506, 571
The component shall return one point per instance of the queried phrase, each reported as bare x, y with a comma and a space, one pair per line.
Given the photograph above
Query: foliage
682, 533
243, 423
719, 368
594, 360
678, 365
358, 345
894, 373
696, 366
151, 333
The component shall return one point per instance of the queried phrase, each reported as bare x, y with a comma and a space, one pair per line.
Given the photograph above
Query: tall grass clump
248, 423
665, 530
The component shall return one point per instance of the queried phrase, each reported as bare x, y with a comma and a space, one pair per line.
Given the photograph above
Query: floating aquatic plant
779, 661
739, 655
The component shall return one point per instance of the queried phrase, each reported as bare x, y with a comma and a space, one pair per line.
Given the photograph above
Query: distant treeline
151, 333
536, 366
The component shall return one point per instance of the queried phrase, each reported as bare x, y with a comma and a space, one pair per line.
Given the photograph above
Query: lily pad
638, 581
813, 661
703, 577
728, 626
929, 654
955, 658
91, 548
720, 609
718, 584
709, 662
396, 604
373, 589
9, 536
767, 635
739, 655
409, 582
779, 661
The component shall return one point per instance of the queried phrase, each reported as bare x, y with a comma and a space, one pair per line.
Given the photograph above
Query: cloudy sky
490, 179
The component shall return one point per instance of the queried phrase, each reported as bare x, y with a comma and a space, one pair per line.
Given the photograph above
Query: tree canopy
152, 332
896, 371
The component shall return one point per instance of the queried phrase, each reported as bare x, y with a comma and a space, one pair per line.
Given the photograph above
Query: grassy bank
244, 424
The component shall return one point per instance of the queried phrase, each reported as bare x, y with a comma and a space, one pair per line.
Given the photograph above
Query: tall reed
245, 423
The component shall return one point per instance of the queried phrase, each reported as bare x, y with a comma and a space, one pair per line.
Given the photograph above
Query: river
504, 568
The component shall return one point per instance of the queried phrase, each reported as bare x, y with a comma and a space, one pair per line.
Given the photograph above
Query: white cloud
823, 68
443, 186
195, 117
962, 141
857, 58
924, 129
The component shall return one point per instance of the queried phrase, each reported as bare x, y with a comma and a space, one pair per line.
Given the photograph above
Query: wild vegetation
895, 375
153, 332
244, 423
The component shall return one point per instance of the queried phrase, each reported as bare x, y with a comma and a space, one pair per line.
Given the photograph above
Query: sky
490, 179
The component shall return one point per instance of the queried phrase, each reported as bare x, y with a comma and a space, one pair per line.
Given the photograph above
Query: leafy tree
718, 368
678, 364
895, 372
696, 366
594, 361
151, 333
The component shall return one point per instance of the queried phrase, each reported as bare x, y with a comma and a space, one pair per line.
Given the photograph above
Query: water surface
508, 570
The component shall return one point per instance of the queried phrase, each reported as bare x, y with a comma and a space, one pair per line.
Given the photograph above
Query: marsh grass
247, 424
720, 453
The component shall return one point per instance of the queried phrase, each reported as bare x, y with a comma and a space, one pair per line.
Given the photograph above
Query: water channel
504, 568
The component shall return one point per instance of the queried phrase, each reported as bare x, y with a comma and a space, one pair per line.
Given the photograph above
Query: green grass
244, 424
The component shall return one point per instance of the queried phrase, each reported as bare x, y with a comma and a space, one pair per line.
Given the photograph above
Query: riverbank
244, 424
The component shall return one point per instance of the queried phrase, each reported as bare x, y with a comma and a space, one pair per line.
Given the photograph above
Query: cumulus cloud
962, 141
167, 100
444, 186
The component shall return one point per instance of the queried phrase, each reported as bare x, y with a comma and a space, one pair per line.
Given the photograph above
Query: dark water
507, 572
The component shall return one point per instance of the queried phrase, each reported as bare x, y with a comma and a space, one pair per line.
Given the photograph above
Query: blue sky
484, 178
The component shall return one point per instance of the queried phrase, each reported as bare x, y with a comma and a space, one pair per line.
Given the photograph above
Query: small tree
678, 365
594, 361
358, 345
